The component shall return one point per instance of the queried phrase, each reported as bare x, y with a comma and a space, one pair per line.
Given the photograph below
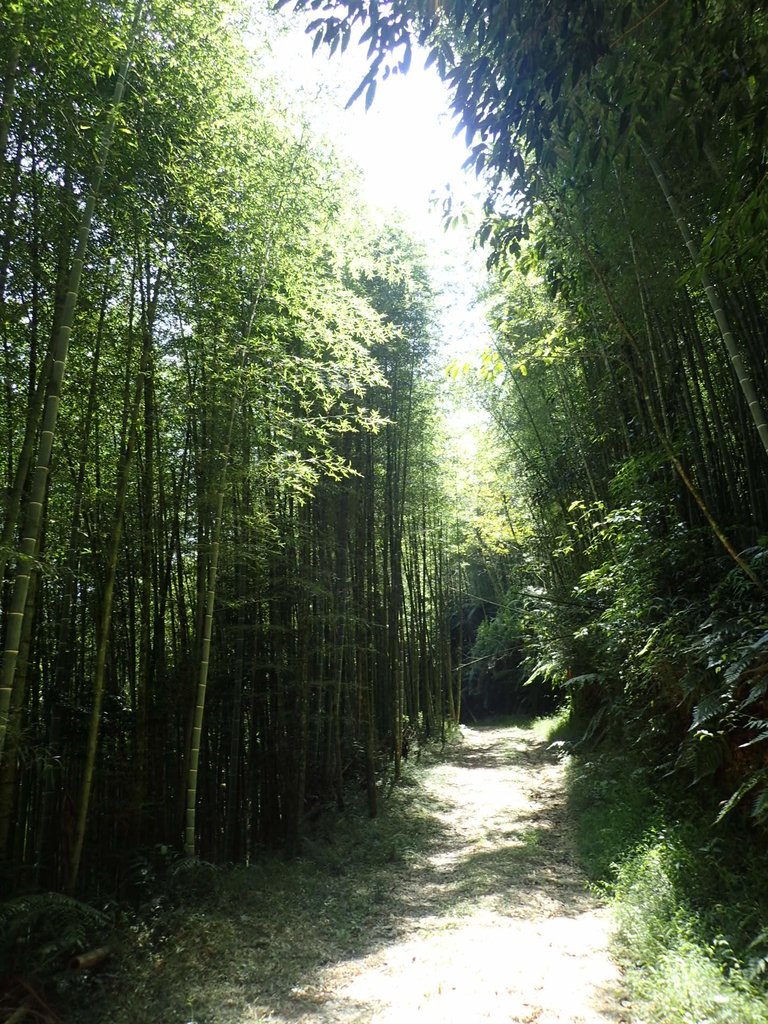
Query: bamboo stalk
59, 353
85, 961
657, 426
716, 304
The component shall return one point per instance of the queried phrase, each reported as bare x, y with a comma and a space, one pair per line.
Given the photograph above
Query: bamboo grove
624, 147
224, 593
630, 382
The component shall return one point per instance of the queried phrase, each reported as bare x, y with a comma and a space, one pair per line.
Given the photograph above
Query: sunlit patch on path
493, 921
460, 904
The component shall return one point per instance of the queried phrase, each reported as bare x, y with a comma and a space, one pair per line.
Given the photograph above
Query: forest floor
462, 903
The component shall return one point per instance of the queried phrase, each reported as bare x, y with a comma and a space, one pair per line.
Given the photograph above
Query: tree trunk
59, 350
737, 360
107, 596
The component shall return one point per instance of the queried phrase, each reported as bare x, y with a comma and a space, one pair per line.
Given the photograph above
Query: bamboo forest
350, 672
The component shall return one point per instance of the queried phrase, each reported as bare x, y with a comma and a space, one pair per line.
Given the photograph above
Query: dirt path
494, 923
461, 904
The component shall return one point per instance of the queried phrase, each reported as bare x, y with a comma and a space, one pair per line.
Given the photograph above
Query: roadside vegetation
689, 900
194, 941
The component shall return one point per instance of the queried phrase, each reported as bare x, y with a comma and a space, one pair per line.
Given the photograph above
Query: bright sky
404, 143
407, 149
410, 155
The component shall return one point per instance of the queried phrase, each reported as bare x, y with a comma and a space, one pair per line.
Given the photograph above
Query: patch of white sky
411, 158
409, 155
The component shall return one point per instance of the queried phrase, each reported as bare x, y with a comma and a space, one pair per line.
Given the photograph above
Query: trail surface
494, 923
466, 906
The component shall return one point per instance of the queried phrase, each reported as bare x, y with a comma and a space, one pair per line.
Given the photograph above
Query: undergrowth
259, 936
689, 898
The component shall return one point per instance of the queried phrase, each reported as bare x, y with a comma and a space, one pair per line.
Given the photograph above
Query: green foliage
680, 970
649, 911
625, 582
543, 93
39, 932
690, 909
245, 425
498, 636
686, 985
614, 804
729, 716
684, 676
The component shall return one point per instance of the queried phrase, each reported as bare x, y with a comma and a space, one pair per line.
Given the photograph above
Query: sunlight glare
405, 143
408, 151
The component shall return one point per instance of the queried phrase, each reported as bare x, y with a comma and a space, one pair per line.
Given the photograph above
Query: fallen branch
85, 961
20, 1012
32, 1003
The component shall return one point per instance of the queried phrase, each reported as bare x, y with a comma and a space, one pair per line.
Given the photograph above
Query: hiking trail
470, 909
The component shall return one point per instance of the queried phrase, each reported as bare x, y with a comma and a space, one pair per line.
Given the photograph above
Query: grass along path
462, 904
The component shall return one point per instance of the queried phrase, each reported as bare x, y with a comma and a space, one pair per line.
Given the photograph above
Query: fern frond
36, 928
746, 787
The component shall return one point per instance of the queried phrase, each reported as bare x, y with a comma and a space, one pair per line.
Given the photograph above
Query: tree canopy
218, 534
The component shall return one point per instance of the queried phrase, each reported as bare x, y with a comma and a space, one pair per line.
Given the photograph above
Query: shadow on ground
479, 828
